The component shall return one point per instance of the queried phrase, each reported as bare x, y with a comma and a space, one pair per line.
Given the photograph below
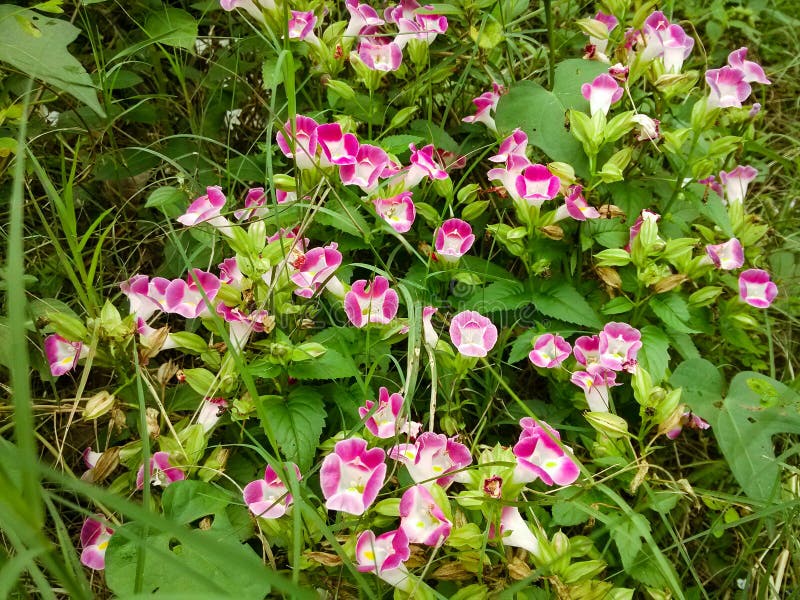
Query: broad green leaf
563, 302
165, 197
570, 75
521, 347
172, 27
702, 385
397, 144
344, 216
171, 567
654, 353
673, 312
297, 421
331, 365
37, 46
625, 533
540, 114
496, 297
188, 500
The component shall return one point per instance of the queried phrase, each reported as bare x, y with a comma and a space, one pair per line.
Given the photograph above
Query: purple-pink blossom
351, 476
728, 87
301, 26
537, 184
586, 350
185, 297
424, 163
619, 345
735, 183
361, 16
756, 288
254, 205
514, 145
206, 209
753, 72
726, 256
539, 456
314, 268
300, 144
268, 497
62, 354
432, 457
549, 351
161, 471
453, 240
595, 384
422, 519
338, 148
690, 420
398, 211
371, 302
472, 333
368, 167
386, 421
486, 105
384, 555
380, 57
95, 536
601, 93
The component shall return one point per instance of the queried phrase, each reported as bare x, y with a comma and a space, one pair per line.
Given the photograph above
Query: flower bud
609, 276
67, 326
153, 426
284, 182
554, 232
612, 425
98, 405
669, 283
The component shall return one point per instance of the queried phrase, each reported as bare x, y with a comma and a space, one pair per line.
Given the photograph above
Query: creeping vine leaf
297, 421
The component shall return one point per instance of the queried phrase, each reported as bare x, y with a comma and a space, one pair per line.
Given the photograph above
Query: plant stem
551, 43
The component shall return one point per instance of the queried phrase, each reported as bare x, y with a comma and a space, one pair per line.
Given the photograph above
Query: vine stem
551, 42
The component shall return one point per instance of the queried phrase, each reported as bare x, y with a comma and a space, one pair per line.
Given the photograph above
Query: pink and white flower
422, 519
576, 206
386, 421
601, 93
753, 72
537, 184
185, 297
380, 57
729, 87
619, 345
373, 302
384, 555
351, 476
314, 268
610, 22
453, 240
137, 289
300, 144
269, 497
230, 274
424, 163
369, 165
95, 536
549, 351
727, 256
430, 336
514, 531
161, 472
254, 205
756, 288
433, 456
472, 333
254, 9
398, 211
62, 354
301, 26
486, 105
514, 145
206, 209
540, 457
338, 148
645, 215
210, 412
735, 183
595, 385
361, 16
587, 352
242, 324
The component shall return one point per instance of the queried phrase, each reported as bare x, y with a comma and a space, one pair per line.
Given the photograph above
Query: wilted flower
268, 497
756, 288
351, 476
422, 519
453, 239
549, 351
514, 531
95, 536
690, 420
647, 128
373, 302
161, 471
726, 256
472, 333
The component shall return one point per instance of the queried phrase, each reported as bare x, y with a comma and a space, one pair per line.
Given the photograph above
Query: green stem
551, 42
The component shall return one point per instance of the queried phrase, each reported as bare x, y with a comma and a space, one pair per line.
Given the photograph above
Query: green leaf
296, 421
702, 386
344, 216
172, 27
570, 75
540, 114
563, 302
625, 533
188, 500
397, 144
521, 347
166, 196
617, 306
654, 353
498, 296
331, 365
673, 311
37, 46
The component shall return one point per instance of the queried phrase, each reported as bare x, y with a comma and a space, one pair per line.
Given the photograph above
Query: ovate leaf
673, 312
654, 353
172, 27
37, 46
296, 421
563, 302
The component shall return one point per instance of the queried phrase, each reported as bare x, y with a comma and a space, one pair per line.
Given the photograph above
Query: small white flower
232, 118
